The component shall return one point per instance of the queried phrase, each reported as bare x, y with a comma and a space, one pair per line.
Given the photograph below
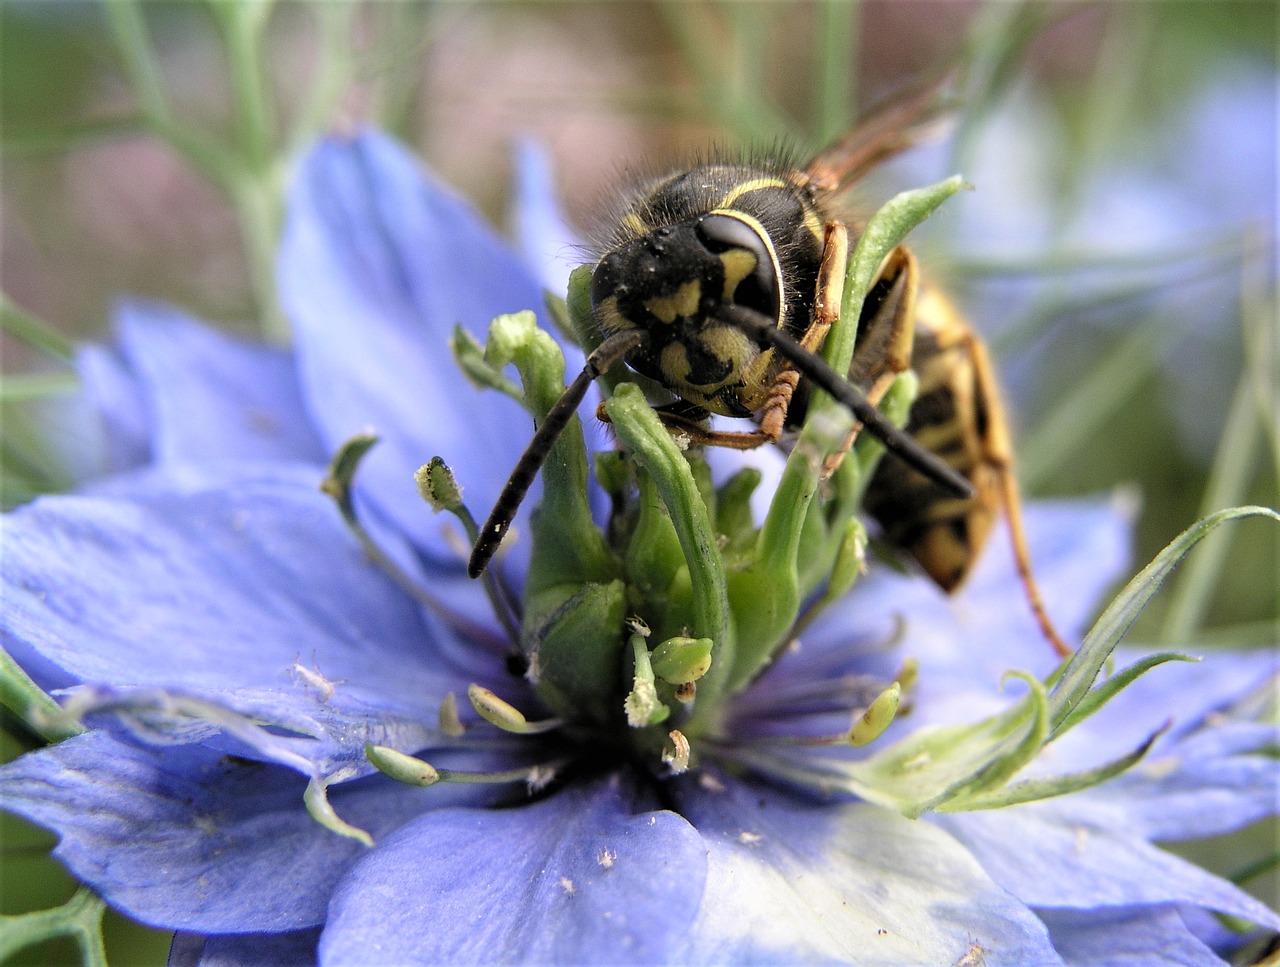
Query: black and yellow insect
721, 282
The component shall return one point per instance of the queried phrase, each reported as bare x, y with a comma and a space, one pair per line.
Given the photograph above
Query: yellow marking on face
730, 346
738, 264
610, 318
750, 185
633, 223
683, 302
674, 362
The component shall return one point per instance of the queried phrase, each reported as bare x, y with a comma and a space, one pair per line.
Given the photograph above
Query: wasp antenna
535, 455
900, 444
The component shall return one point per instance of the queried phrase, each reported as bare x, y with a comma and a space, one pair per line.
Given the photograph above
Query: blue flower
237, 652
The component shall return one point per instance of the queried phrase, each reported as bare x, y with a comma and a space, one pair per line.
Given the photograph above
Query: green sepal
767, 592
654, 555
968, 767
1032, 790
651, 446
733, 510
581, 317
614, 473
558, 313
799, 542
885, 230
1083, 667
575, 648
568, 548
470, 357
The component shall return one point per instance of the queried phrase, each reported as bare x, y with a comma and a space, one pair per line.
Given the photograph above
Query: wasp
721, 282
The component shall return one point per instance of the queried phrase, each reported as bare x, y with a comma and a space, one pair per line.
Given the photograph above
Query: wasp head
672, 283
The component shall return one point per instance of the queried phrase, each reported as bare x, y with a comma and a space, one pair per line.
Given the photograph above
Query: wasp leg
896, 442
535, 455
998, 453
685, 421
886, 335
826, 310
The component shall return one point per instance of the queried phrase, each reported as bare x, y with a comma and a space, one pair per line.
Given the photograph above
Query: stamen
642, 704
337, 484
870, 725
504, 715
677, 758
682, 661
439, 488
417, 772
450, 724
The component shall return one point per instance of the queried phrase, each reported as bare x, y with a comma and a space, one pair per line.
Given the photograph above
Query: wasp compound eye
750, 271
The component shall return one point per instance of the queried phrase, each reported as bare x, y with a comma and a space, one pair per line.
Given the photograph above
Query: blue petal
1133, 936
377, 265
792, 882
549, 246
965, 643
1211, 773
115, 399
210, 395
1048, 857
222, 593
192, 840
575, 878
244, 950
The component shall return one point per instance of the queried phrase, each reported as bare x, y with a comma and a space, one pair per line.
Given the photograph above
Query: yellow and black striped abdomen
958, 417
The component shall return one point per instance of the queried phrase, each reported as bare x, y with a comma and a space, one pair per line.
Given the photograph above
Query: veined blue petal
1126, 937
189, 839
378, 264
210, 395
213, 591
244, 950
1048, 856
964, 644
575, 878
795, 882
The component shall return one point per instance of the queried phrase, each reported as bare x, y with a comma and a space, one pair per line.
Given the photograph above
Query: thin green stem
837, 45
26, 387
326, 88
259, 204
36, 333
130, 30
1081, 412
1233, 469
80, 918
242, 25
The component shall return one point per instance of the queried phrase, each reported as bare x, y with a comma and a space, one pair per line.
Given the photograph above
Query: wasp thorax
673, 283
